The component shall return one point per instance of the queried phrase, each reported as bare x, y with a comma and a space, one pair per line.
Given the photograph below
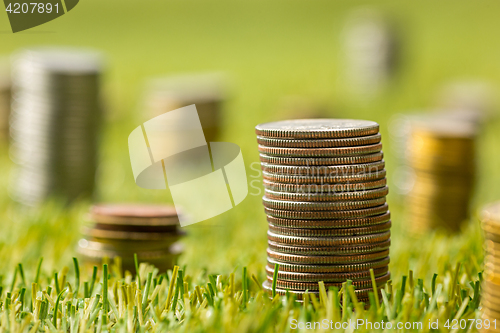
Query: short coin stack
490, 297
124, 229
54, 123
442, 155
325, 190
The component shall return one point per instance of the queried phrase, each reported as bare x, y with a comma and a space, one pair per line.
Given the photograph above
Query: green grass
178, 301
270, 49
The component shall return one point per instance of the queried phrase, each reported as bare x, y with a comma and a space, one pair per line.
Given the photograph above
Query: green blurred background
269, 49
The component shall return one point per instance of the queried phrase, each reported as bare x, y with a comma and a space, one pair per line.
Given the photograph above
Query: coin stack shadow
490, 297
121, 230
325, 190
441, 153
54, 123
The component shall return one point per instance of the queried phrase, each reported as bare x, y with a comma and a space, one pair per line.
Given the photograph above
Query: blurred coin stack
120, 230
490, 297
442, 154
54, 123
371, 50
325, 190
206, 91
5, 101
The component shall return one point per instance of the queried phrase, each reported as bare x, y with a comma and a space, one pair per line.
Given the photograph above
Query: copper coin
135, 228
321, 215
134, 214
331, 277
319, 143
322, 161
324, 170
328, 241
324, 188
324, 196
317, 128
127, 235
342, 268
321, 205
321, 152
381, 280
345, 179
330, 232
326, 260
329, 250
361, 294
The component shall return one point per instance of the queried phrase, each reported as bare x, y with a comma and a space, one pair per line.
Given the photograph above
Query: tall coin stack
325, 190
54, 124
490, 297
442, 155
120, 230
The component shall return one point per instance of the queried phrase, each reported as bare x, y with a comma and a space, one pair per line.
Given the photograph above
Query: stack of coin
441, 153
325, 190
5, 100
54, 123
490, 298
120, 230
206, 91
371, 50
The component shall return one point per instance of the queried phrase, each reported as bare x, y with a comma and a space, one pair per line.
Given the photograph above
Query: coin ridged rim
329, 214
321, 205
324, 188
319, 260
339, 268
361, 294
326, 277
174, 230
280, 178
321, 152
323, 170
311, 161
365, 284
339, 223
330, 232
328, 241
329, 250
319, 143
134, 214
322, 196
135, 221
317, 128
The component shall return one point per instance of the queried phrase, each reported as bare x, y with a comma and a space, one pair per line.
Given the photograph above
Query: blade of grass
136, 263
375, 289
275, 279
77, 275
